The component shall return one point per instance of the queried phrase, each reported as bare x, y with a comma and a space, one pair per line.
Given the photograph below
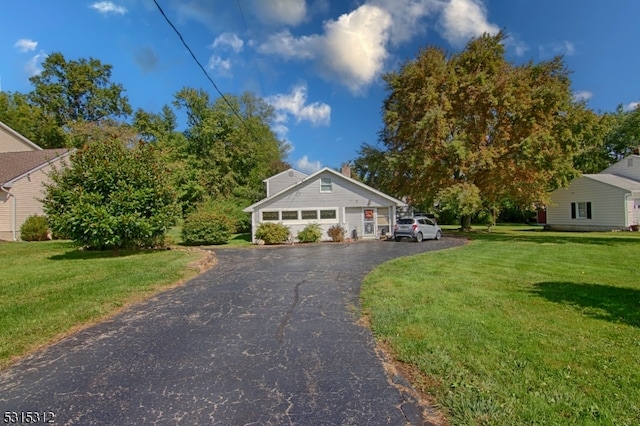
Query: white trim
22, 138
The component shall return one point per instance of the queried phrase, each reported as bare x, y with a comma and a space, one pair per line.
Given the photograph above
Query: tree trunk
465, 223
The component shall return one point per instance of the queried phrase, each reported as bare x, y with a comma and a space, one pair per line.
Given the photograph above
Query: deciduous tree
473, 119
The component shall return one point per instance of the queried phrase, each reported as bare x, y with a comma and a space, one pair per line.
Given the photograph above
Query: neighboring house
609, 200
328, 198
24, 167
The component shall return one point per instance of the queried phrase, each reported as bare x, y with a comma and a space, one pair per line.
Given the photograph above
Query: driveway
267, 337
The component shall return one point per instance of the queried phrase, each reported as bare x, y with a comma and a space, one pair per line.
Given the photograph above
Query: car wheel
419, 237
438, 235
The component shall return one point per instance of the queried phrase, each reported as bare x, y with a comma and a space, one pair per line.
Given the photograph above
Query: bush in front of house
336, 233
230, 211
272, 233
310, 234
35, 228
204, 227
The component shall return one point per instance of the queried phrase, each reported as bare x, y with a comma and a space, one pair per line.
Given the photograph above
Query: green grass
50, 288
237, 240
520, 326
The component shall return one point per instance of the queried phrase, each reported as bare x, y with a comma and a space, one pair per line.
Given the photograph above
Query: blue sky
318, 62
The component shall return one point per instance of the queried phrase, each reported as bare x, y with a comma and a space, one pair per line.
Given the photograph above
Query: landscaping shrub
204, 227
35, 228
310, 234
336, 233
229, 211
272, 233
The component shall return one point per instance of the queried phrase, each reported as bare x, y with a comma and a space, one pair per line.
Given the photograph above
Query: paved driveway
268, 336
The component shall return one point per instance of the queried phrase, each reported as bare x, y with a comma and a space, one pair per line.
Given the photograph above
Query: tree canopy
474, 123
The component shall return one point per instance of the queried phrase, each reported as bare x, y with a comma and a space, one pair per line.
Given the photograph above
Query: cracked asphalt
269, 336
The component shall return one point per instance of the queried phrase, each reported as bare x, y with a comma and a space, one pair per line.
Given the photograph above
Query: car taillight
415, 226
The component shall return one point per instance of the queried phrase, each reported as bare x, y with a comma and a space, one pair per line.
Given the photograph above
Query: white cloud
230, 40
631, 106
306, 166
287, 12
582, 95
219, 66
519, 47
107, 7
352, 49
464, 19
25, 45
565, 48
32, 67
295, 104
407, 16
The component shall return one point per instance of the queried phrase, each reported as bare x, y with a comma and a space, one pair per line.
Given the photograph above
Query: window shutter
589, 210
573, 210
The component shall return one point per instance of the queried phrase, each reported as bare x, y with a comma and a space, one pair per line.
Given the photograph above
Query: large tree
81, 90
474, 123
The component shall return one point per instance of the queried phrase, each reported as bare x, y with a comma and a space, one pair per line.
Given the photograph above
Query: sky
318, 62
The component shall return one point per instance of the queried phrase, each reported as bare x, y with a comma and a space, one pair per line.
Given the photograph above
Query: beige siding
27, 191
9, 142
608, 206
5, 217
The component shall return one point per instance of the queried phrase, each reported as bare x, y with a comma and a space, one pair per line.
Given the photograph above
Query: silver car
417, 227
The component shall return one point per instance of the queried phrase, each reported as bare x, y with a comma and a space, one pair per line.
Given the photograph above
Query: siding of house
628, 167
346, 197
282, 181
11, 141
28, 190
607, 206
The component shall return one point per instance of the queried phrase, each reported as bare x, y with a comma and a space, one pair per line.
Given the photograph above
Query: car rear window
405, 221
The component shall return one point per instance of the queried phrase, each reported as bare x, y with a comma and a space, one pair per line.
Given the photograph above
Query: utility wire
202, 68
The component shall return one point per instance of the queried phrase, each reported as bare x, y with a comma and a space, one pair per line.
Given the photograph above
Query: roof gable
26, 143
616, 181
314, 177
14, 165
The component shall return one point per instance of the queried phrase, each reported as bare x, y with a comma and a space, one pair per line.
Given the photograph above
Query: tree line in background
134, 173
472, 135
469, 135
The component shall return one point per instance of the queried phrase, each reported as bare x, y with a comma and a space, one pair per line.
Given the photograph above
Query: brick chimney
346, 170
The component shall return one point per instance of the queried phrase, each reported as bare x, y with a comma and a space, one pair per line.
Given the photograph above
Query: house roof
614, 180
14, 165
20, 137
312, 176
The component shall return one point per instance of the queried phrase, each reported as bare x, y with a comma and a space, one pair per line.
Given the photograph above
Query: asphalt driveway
267, 337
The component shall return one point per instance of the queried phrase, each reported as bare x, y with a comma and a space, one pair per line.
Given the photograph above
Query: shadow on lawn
546, 237
615, 304
77, 254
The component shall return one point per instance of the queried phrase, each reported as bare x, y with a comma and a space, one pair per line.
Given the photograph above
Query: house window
581, 210
328, 214
309, 214
290, 215
270, 216
325, 184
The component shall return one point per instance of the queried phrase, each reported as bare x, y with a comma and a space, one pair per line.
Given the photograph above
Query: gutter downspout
7, 190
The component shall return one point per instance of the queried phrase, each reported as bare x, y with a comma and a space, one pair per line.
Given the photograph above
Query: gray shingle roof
15, 164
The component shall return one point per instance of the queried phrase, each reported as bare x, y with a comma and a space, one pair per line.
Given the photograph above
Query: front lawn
48, 289
520, 326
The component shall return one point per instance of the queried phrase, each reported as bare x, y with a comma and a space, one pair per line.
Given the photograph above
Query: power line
202, 68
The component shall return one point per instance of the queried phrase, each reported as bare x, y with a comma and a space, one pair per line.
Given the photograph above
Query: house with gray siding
609, 200
328, 198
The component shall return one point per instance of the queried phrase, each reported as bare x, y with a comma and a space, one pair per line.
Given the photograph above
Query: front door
369, 222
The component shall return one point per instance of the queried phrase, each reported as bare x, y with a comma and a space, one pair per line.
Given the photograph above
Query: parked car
417, 227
